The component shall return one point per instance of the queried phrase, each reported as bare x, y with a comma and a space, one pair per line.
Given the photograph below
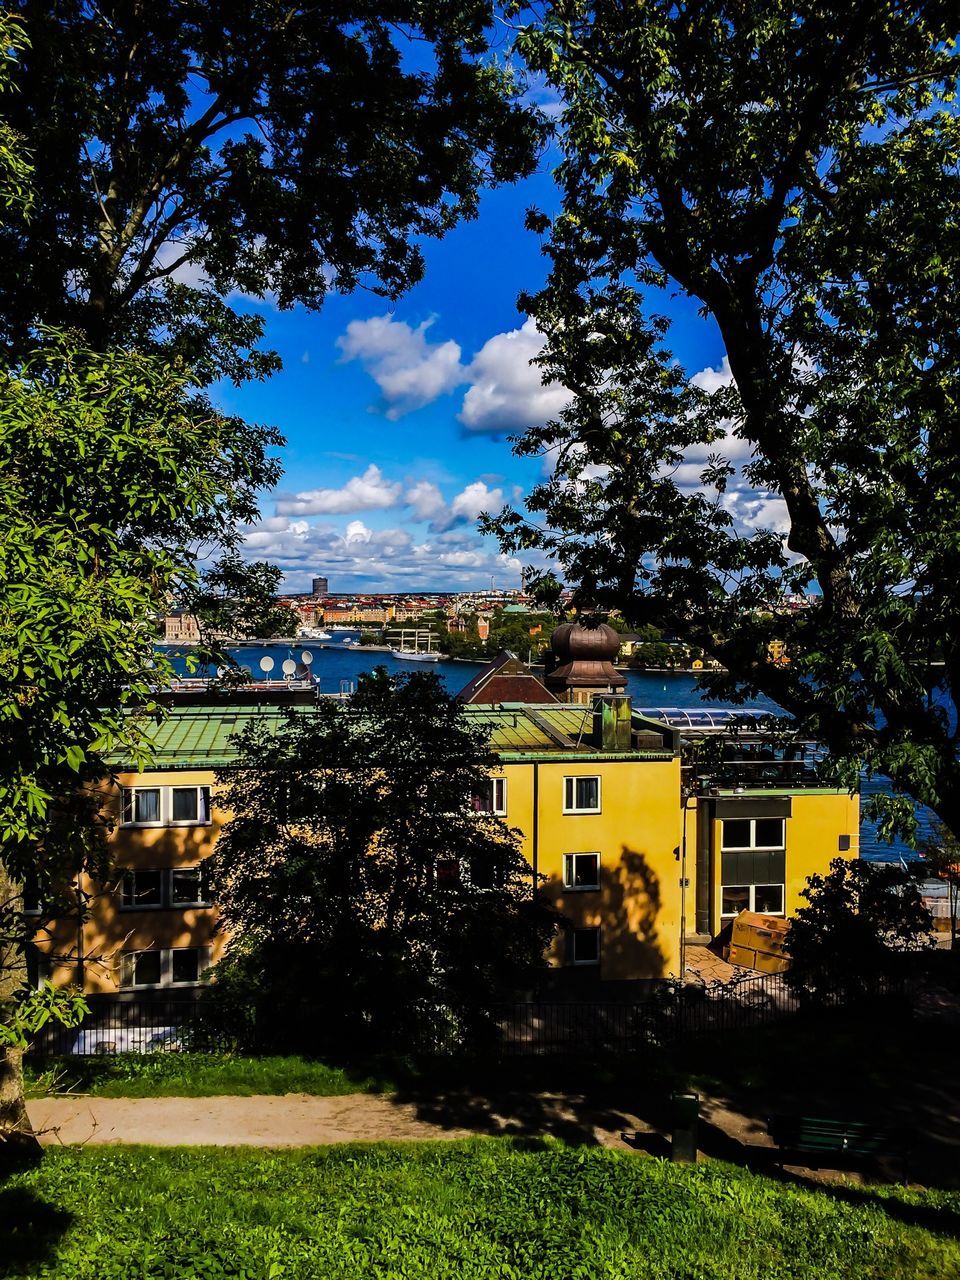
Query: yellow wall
636, 834
812, 833
109, 930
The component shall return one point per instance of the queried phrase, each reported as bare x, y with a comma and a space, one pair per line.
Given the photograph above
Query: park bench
812, 1136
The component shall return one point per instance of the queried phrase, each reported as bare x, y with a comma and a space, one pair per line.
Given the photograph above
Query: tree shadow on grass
30, 1227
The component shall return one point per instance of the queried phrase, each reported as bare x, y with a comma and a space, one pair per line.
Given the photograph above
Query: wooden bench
816, 1136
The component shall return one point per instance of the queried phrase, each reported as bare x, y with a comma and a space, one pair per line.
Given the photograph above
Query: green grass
196, 1075
478, 1210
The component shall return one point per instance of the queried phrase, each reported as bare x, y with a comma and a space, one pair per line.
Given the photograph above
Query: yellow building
622, 829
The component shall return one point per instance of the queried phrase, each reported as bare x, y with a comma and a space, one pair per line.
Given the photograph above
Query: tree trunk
17, 1139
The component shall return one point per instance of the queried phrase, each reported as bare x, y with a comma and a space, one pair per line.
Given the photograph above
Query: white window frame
498, 788
129, 796
166, 819
569, 875
585, 964
752, 889
753, 847
199, 788
166, 968
166, 902
573, 779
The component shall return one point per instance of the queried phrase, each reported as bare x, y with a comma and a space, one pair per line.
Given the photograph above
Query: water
336, 668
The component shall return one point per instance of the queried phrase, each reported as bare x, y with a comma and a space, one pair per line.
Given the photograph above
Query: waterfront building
180, 628
648, 828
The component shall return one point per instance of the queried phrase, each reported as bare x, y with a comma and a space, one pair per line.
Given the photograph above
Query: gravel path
299, 1120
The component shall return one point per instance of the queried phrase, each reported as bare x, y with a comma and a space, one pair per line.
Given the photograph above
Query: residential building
319, 587
642, 831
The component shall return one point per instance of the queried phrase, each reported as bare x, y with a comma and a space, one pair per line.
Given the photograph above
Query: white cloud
711, 380
426, 500
475, 498
369, 492
410, 371
377, 559
506, 391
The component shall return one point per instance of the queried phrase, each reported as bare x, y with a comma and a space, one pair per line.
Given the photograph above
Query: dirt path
296, 1120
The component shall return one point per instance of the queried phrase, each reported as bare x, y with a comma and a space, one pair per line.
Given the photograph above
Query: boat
313, 633
412, 655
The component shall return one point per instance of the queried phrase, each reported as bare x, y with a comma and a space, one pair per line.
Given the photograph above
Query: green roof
200, 737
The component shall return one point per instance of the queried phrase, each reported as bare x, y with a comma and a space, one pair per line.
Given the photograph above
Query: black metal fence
153, 1025
668, 1014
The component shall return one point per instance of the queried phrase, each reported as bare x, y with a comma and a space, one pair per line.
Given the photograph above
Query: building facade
635, 851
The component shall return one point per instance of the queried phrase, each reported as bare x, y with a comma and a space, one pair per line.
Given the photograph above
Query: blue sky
396, 417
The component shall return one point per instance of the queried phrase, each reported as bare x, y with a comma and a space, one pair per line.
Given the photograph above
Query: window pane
146, 804
568, 793
185, 885
588, 793
204, 803
736, 833
582, 870
486, 873
769, 833
768, 898
482, 801
143, 889
146, 968
448, 872
186, 965
586, 946
499, 795
734, 899
185, 804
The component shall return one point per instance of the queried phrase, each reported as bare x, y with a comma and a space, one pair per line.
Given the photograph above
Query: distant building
320, 587
180, 628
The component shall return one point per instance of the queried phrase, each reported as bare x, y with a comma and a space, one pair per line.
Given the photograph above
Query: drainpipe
535, 851
704, 865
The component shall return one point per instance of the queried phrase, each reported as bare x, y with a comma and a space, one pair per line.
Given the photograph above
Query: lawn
489, 1208
196, 1075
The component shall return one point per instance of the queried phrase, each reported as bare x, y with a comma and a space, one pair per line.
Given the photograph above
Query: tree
187, 151
793, 169
369, 905
117, 479
941, 855
858, 919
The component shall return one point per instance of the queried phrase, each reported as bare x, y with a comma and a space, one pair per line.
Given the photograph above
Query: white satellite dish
266, 664
306, 657
289, 666
221, 672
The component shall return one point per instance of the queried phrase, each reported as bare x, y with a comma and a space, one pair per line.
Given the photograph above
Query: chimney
611, 721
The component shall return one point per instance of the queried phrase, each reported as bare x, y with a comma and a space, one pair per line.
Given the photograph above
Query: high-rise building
320, 587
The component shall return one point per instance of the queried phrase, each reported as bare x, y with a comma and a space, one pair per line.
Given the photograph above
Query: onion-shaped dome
583, 656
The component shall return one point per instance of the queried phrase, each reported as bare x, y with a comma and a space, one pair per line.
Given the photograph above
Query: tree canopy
793, 168
188, 151
858, 919
368, 897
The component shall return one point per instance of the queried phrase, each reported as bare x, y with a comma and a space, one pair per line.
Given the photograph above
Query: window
165, 806
753, 866
142, 890
585, 946
486, 873
581, 795
32, 904
188, 887
155, 888
581, 871
190, 805
492, 799
448, 873
163, 967
141, 806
